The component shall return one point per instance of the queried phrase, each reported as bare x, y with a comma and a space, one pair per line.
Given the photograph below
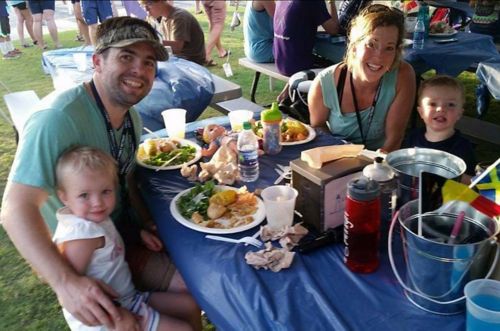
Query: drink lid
363, 189
378, 171
272, 114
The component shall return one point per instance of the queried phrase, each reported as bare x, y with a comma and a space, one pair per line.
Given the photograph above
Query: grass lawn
26, 303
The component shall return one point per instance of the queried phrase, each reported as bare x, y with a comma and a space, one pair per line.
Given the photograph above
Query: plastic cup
175, 122
280, 205
483, 304
80, 60
410, 23
237, 117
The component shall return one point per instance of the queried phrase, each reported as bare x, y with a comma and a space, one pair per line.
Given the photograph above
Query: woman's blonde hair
78, 158
366, 22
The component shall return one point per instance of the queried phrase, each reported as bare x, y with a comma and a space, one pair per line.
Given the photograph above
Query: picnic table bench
228, 97
268, 69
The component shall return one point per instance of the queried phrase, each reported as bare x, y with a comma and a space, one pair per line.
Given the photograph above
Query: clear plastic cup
483, 304
237, 117
280, 205
175, 122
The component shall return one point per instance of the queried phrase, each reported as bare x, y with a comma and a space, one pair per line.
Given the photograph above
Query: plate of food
167, 153
217, 209
293, 132
441, 29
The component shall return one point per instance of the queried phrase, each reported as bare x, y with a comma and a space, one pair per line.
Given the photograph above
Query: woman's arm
269, 6
401, 108
318, 112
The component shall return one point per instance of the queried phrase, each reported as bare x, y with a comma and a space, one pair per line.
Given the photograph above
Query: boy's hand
128, 321
151, 241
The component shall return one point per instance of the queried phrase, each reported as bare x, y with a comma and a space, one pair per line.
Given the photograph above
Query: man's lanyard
370, 115
117, 150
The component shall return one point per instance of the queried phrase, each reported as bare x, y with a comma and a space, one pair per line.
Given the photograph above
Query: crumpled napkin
271, 257
288, 237
275, 258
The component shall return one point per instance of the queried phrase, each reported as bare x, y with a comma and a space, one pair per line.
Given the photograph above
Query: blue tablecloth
450, 58
316, 293
179, 83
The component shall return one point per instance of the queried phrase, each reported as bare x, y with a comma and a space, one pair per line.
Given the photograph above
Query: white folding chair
20, 106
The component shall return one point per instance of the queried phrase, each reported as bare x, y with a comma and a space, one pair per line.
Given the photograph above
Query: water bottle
380, 172
271, 121
419, 33
248, 158
362, 225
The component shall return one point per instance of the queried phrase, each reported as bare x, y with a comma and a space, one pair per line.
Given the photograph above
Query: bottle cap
363, 189
246, 126
271, 115
378, 171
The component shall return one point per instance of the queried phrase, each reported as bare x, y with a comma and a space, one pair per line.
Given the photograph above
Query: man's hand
151, 241
89, 300
129, 321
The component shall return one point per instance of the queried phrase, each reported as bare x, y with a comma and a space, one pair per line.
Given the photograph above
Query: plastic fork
247, 240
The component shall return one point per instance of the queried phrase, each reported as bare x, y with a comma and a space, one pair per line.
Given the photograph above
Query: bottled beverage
380, 172
419, 34
248, 158
271, 121
362, 225
423, 11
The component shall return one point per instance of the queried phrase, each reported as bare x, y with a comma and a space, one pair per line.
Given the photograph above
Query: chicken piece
190, 172
215, 210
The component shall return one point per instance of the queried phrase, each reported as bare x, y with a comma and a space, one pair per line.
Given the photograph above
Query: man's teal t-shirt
62, 119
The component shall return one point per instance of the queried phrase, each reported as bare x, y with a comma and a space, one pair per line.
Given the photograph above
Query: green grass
25, 302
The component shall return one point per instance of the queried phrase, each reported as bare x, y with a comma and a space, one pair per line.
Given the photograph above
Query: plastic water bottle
419, 33
248, 158
271, 121
362, 225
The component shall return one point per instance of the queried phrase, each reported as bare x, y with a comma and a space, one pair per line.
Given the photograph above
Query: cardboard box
322, 192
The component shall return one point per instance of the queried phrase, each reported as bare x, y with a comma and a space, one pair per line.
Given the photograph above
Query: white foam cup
80, 60
175, 122
280, 205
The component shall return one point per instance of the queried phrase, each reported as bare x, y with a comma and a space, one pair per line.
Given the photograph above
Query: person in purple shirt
295, 26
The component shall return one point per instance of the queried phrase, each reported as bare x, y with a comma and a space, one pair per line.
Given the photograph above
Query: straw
484, 173
420, 189
151, 132
456, 227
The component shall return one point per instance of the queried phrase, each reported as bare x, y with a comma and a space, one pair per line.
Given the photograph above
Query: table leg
254, 86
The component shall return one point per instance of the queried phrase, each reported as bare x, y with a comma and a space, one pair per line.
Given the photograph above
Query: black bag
296, 109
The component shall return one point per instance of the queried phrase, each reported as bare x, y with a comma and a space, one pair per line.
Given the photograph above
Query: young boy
440, 105
86, 184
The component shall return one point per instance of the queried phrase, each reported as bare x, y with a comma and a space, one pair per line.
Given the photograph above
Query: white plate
258, 216
311, 136
183, 142
445, 34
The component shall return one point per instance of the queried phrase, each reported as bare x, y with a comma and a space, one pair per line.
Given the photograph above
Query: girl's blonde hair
366, 22
78, 158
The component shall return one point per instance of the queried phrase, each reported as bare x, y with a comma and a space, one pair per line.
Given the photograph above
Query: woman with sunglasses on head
369, 96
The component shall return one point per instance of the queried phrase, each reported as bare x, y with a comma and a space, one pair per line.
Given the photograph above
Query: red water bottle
362, 225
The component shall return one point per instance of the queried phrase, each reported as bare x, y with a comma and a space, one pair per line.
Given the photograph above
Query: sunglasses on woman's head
378, 8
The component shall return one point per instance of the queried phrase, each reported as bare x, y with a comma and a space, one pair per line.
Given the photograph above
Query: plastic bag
179, 84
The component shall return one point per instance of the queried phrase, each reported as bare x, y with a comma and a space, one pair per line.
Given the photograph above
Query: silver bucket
436, 271
409, 162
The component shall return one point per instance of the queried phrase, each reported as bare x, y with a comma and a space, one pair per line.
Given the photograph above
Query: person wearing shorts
216, 13
83, 29
6, 48
94, 12
24, 18
44, 10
